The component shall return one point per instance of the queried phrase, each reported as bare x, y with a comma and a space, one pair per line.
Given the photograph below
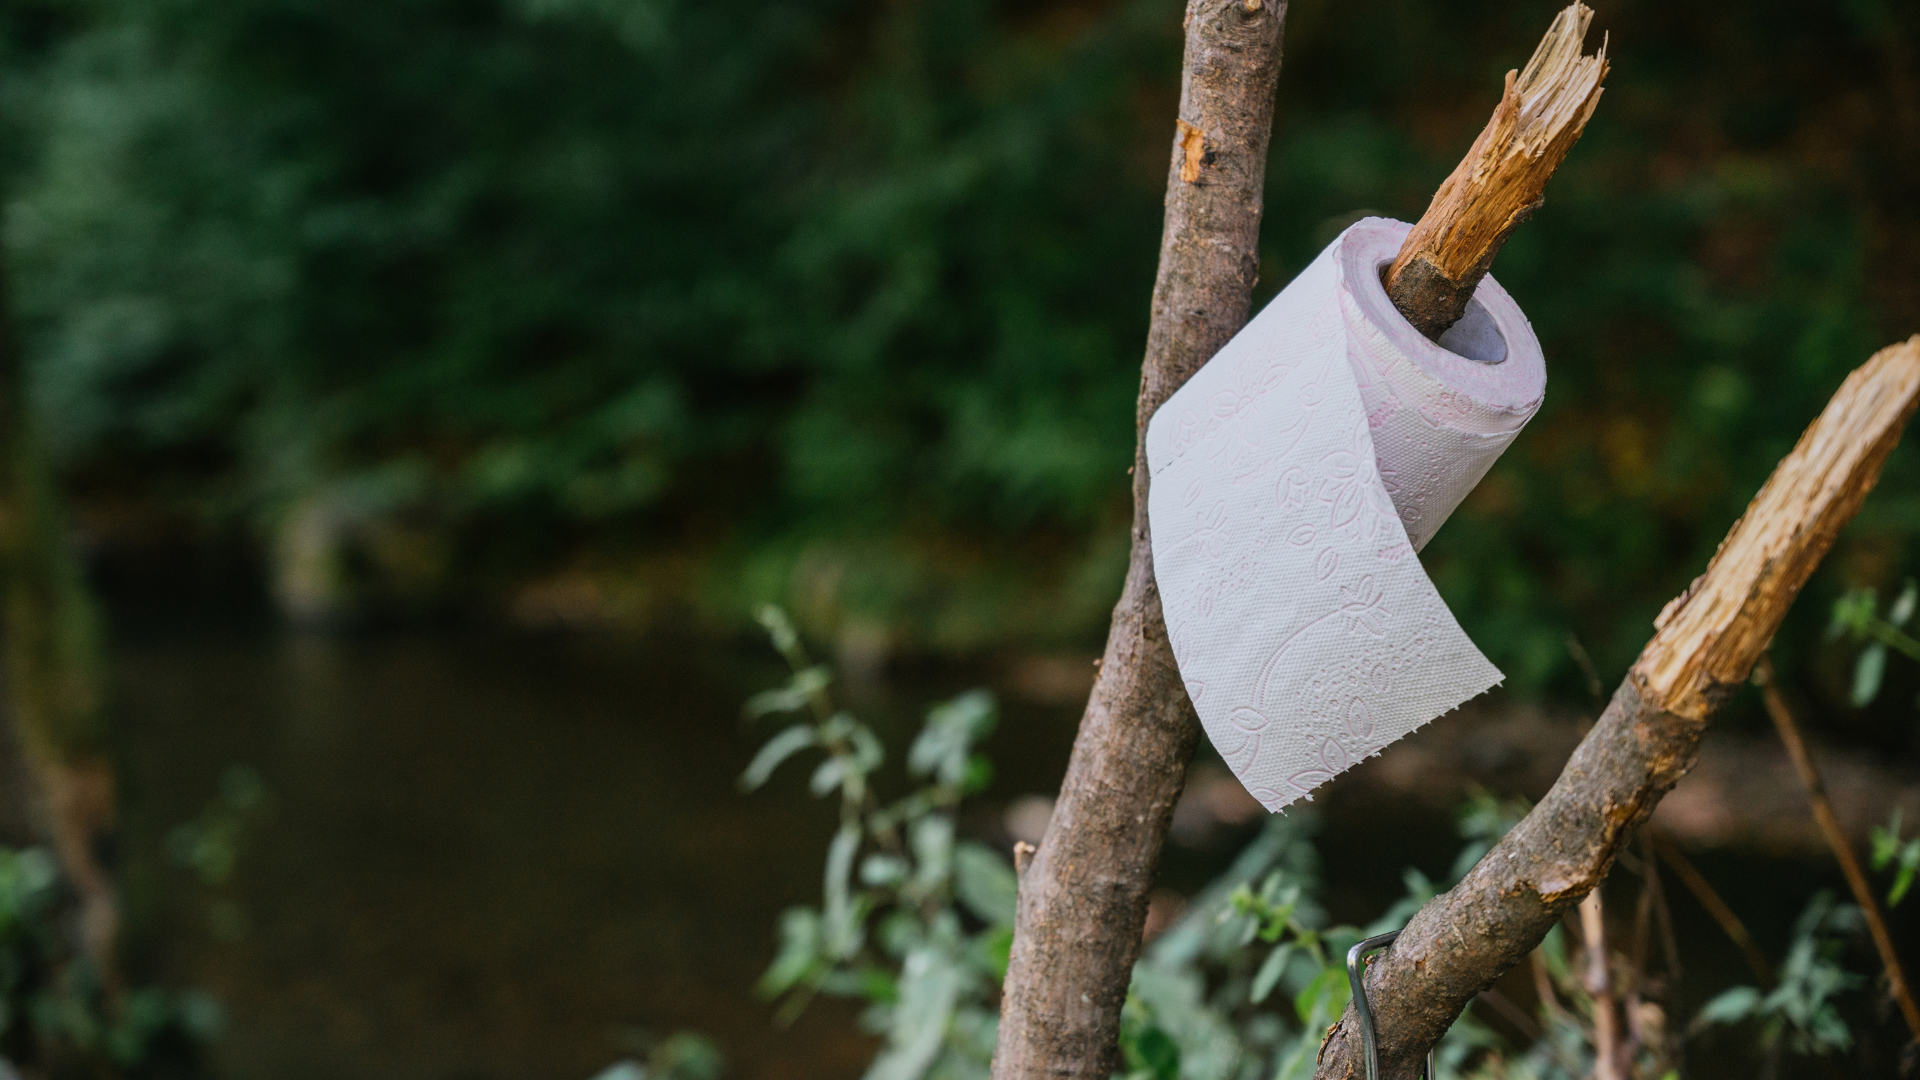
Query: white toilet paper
1294, 478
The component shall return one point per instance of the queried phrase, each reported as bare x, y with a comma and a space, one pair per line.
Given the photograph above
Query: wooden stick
1599, 987
1709, 899
1083, 896
1705, 644
1837, 840
1500, 182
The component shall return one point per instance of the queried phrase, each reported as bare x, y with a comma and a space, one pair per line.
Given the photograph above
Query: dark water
492, 855
486, 857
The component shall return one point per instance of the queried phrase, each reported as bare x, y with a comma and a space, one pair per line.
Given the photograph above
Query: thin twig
1669, 942
1599, 986
1702, 891
1503, 1005
1837, 840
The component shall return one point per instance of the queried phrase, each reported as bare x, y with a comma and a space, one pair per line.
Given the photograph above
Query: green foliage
680, 1056
913, 922
1855, 614
1903, 857
844, 303
1242, 986
1802, 1007
52, 1005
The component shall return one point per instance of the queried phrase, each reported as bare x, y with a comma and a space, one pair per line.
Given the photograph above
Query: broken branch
1707, 642
1500, 182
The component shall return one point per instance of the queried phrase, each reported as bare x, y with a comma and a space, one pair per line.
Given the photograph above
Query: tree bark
1083, 898
1705, 644
54, 668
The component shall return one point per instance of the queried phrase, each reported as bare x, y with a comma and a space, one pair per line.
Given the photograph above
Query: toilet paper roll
1294, 478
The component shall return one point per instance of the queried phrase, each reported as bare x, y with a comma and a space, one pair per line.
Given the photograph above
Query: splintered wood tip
1559, 86
1543, 110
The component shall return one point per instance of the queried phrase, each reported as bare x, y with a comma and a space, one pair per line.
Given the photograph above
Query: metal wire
1360, 1008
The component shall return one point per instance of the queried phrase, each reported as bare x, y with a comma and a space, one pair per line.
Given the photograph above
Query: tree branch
1083, 898
1837, 840
1500, 182
1704, 646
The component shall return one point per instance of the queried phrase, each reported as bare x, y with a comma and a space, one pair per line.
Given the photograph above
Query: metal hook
1354, 956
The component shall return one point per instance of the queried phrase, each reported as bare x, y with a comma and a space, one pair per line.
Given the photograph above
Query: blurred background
431, 390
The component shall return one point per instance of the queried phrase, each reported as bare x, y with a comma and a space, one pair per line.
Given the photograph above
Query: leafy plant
1245, 982
918, 924
912, 921
1802, 1007
52, 1003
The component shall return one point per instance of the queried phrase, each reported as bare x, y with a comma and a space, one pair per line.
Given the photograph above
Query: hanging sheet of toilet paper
1294, 478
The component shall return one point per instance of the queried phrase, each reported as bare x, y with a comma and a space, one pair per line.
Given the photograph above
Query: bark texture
1500, 182
1083, 897
1706, 643
54, 668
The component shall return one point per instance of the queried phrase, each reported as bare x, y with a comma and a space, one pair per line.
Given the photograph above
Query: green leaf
1153, 1053
1902, 609
779, 628
841, 915
685, 1055
1852, 613
799, 952
995, 947
1731, 1007
828, 775
1269, 974
1903, 880
930, 987
793, 697
979, 774
778, 749
1321, 1001
1867, 673
985, 884
882, 870
931, 839
1886, 841
945, 744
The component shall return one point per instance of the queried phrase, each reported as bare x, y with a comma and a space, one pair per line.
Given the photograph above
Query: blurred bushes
842, 304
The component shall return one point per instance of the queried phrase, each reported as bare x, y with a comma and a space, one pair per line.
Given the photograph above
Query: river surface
491, 855
485, 854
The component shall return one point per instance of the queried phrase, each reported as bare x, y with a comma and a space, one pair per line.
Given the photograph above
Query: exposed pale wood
1500, 182
1083, 895
1708, 638
1837, 840
1647, 738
